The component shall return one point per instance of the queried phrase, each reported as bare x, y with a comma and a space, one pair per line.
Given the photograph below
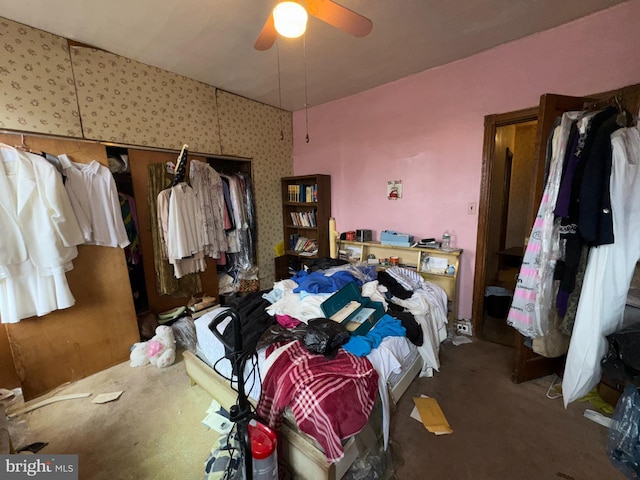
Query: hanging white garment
180, 230
185, 223
207, 185
39, 237
533, 296
94, 198
609, 272
25, 292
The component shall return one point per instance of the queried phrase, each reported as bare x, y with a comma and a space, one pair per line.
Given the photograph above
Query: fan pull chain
279, 93
306, 105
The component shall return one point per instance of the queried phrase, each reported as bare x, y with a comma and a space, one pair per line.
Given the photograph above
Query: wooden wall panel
138, 161
98, 331
8, 375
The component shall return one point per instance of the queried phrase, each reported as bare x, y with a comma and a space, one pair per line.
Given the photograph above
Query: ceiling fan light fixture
290, 19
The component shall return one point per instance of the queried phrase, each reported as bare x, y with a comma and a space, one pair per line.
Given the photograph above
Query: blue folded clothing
317, 282
387, 326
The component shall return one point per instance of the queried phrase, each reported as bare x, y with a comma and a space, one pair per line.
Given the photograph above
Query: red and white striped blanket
331, 399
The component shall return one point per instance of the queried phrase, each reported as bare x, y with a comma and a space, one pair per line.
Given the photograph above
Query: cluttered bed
325, 350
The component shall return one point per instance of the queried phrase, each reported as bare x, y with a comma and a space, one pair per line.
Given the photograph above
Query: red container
263, 451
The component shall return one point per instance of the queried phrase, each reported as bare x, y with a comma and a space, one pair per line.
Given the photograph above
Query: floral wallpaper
253, 130
37, 91
125, 101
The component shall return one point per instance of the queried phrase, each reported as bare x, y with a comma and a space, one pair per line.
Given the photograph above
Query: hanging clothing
39, 237
132, 252
166, 282
533, 296
180, 230
209, 191
94, 198
595, 220
250, 213
586, 150
234, 235
608, 273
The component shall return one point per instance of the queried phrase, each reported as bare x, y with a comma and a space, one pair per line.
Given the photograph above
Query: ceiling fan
326, 10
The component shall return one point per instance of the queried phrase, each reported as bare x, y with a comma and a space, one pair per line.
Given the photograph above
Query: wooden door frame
491, 124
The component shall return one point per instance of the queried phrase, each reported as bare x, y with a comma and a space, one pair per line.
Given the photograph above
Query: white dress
39, 237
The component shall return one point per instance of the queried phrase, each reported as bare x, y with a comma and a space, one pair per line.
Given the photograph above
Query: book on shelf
302, 193
303, 245
304, 219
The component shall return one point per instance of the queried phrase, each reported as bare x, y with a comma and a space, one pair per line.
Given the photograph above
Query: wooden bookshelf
306, 208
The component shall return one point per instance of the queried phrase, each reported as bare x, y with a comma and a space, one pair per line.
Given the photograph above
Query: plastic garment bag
533, 296
608, 274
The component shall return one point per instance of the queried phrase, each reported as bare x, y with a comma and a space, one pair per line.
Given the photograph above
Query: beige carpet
501, 430
152, 431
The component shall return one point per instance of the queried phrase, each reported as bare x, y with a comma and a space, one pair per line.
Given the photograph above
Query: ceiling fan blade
340, 17
267, 36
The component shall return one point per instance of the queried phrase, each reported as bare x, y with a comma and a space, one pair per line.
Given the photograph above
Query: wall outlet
463, 327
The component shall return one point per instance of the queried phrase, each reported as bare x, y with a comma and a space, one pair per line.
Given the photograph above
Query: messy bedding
331, 395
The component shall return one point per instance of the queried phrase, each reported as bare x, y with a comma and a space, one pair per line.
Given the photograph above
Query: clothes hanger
180, 167
23, 147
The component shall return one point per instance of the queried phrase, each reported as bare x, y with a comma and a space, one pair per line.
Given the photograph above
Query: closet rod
123, 145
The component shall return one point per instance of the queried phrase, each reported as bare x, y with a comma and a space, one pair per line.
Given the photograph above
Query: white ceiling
212, 40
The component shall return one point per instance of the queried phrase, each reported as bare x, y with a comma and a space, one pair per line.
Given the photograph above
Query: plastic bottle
424, 263
446, 239
263, 450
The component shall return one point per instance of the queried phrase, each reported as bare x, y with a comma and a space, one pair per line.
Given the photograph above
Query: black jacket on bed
253, 318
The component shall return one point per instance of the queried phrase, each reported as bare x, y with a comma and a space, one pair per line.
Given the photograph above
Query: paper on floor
431, 415
107, 397
217, 418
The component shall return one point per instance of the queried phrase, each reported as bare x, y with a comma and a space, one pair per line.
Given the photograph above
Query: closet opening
238, 271
118, 158
132, 171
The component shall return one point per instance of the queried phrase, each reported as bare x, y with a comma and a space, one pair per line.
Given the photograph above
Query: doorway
503, 226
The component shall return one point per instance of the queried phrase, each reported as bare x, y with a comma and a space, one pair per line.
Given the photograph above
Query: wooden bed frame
299, 451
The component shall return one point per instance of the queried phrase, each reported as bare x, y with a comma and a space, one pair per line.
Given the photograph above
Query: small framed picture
394, 189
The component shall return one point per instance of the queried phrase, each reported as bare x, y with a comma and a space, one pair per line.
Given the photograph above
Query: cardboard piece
107, 397
432, 416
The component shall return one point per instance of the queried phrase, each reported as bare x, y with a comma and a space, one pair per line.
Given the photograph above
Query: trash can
497, 301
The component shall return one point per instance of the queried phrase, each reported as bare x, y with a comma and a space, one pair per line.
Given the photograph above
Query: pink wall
427, 129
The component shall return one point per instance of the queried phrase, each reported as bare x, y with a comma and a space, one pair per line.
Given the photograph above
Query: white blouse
94, 198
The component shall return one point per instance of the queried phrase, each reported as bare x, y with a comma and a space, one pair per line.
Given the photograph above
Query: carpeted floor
501, 430
153, 431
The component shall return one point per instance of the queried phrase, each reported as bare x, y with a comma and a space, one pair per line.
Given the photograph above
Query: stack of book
304, 219
303, 245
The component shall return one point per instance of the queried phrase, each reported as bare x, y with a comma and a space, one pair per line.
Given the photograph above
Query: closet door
138, 161
98, 331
